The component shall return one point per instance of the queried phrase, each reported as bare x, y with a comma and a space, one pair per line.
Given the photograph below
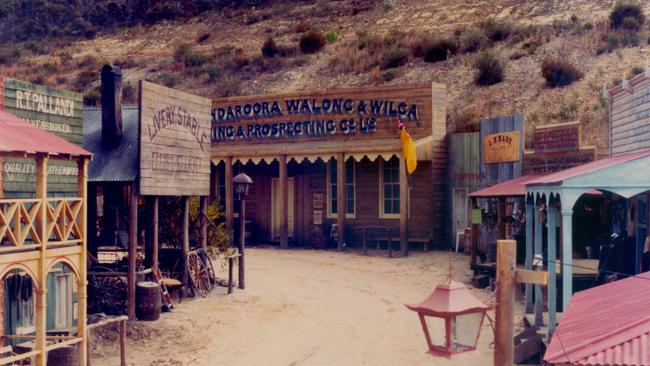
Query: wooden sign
54, 110
556, 138
630, 116
495, 173
332, 115
501, 147
554, 162
174, 142
318, 200
318, 217
477, 216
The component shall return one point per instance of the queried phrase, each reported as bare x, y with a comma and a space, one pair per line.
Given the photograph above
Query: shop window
389, 188
350, 181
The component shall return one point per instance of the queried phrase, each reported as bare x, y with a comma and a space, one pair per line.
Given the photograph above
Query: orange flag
408, 148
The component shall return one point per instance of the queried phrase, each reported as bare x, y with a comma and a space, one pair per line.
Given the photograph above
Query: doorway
275, 208
460, 211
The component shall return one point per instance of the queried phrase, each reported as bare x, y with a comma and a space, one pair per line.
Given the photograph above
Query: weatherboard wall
54, 110
630, 116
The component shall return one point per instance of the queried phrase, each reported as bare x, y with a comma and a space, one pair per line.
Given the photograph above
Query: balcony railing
19, 222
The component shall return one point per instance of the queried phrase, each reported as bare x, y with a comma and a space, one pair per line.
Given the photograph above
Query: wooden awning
313, 151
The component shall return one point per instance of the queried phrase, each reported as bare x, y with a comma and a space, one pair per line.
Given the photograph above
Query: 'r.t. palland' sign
336, 114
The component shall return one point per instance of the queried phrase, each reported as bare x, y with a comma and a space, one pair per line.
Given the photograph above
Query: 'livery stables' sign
174, 142
54, 110
336, 114
501, 147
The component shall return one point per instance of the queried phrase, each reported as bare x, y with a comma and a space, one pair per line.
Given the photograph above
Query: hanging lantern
451, 318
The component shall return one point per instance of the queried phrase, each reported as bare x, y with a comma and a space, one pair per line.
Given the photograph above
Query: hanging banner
501, 147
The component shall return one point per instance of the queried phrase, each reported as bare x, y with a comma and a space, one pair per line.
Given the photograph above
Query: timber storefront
328, 167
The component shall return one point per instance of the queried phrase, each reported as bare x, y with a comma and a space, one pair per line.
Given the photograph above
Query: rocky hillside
240, 50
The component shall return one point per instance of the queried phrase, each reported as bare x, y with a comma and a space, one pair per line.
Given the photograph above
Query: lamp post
242, 183
451, 318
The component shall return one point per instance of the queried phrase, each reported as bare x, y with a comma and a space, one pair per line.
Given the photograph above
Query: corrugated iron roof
513, 187
118, 164
605, 325
20, 136
557, 178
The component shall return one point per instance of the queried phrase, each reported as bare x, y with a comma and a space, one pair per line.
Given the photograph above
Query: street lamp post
242, 183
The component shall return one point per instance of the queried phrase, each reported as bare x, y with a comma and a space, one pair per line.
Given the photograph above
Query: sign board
501, 147
333, 115
630, 116
318, 217
54, 110
174, 142
554, 162
318, 200
556, 138
477, 216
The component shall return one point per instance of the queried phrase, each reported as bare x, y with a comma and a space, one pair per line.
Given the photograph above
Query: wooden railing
62, 220
19, 222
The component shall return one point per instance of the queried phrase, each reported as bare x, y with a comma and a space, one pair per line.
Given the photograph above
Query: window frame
382, 211
329, 184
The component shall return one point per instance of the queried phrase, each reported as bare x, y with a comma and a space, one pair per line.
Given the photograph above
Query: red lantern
451, 318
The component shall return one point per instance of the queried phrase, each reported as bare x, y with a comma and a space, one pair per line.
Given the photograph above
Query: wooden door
460, 211
275, 208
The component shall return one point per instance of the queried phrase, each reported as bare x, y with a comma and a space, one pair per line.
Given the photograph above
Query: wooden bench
423, 240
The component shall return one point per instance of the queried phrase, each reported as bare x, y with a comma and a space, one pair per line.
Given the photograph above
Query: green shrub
490, 68
333, 35
394, 57
630, 39
312, 42
631, 23
439, 50
626, 9
168, 79
129, 93
574, 18
182, 50
84, 79
214, 73
558, 72
612, 40
636, 70
269, 48
473, 40
588, 26
496, 30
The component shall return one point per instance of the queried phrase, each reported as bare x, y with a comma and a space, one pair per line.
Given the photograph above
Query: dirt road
304, 307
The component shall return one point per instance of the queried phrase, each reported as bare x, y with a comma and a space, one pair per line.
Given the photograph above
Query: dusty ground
304, 307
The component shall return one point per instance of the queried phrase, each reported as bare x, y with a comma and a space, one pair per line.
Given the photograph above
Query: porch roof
512, 188
324, 150
626, 175
21, 137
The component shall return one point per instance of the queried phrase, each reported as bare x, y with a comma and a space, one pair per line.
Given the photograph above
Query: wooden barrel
148, 300
64, 356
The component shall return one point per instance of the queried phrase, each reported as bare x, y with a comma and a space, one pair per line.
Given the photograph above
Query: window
332, 199
63, 312
389, 188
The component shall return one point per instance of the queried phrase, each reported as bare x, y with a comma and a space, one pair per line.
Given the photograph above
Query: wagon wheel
199, 276
106, 293
212, 275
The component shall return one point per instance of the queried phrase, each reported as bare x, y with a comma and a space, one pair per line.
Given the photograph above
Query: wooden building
39, 236
158, 148
334, 157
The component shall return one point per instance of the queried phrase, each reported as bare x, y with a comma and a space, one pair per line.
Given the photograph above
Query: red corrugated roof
605, 325
513, 187
556, 178
19, 136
